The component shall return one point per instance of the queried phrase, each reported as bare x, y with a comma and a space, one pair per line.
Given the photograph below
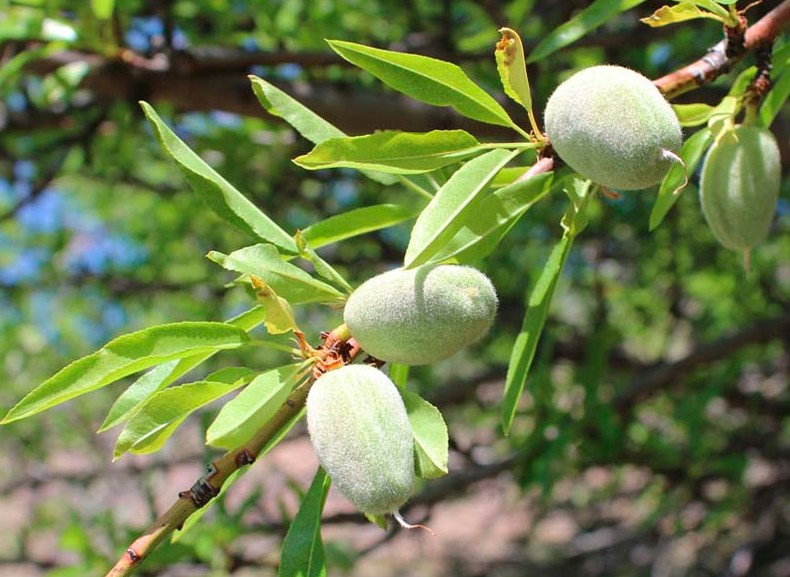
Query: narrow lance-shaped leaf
596, 14
538, 304
156, 420
393, 151
444, 215
356, 222
691, 153
305, 121
242, 416
124, 356
512, 67
288, 280
303, 551
166, 373
217, 192
431, 440
493, 216
427, 79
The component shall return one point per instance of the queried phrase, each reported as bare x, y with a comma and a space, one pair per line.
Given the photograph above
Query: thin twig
719, 60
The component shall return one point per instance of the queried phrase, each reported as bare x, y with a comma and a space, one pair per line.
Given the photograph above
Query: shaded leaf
303, 551
539, 302
692, 152
356, 222
584, 22
124, 356
393, 151
242, 416
444, 215
287, 280
775, 100
431, 441
217, 192
427, 79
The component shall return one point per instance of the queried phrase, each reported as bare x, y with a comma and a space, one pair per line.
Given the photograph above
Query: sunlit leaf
493, 216
103, 8
166, 373
693, 114
127, 355
444, 215
305, 121
288, 280
356, 222
393, 151
427, 79
242, 416
217, 192
150, 426
512, 67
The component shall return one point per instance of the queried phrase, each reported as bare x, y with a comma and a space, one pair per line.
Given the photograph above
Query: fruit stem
403, 523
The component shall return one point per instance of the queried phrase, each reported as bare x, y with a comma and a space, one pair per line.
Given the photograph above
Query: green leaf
217, 192
279, 314
303, 551
775, 100
667, 15
103, 8
427, 79
393, 151
124, 356
303, 120
242, 416
287, 280
431, 441
512, 67
166, 373
445, 214
596, 14
356, 222
693, 114
691, 153
539, 302
153, 423
532, 326
493, 216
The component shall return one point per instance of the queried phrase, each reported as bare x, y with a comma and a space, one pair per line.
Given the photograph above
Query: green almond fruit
739, 188
422, 315
360, 432
613, 126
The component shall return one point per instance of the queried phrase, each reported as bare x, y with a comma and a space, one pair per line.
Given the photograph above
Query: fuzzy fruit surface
612, 125
739, 187
422, 315
360, 432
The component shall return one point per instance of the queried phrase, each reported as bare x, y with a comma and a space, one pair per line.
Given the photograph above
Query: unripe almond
360, 431
422, 315
613, 126
739, 187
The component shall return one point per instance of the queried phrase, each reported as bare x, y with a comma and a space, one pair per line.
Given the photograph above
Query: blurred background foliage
654, 440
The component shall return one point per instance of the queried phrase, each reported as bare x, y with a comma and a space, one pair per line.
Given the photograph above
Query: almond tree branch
208, 486
721, 58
